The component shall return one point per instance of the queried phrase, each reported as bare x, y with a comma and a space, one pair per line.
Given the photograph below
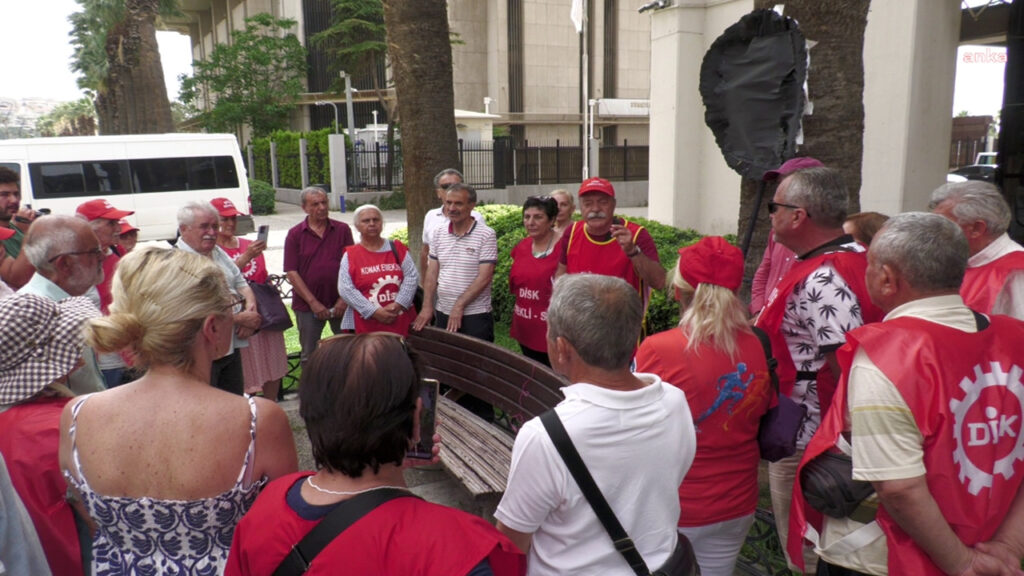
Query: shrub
507, 222
262, 196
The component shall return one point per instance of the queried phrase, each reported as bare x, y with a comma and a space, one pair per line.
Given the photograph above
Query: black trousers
226, 373
476, 325
826, 569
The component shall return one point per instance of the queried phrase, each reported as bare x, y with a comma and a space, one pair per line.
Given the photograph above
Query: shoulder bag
271, 308
780, 425
681, 562
334, 523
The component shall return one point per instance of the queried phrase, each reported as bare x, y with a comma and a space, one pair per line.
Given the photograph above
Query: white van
151, 174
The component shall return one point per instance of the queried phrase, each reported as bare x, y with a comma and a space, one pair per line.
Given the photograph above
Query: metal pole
332, 105
348, 107
586, 91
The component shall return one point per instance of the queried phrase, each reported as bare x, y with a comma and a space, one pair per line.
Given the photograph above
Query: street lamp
333, 105
348, 106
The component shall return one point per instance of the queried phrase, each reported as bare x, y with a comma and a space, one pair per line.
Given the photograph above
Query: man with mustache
198, 223
601, 243
14, 223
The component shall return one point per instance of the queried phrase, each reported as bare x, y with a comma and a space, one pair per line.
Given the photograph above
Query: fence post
558, 160
376, 166
462, 161
625, 159
498, 158
304, 161
515, 167
273, 165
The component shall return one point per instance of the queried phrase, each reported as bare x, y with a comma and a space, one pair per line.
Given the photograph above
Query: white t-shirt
637, 445
436, 217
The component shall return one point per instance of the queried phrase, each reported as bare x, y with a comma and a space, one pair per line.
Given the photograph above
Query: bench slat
476, 452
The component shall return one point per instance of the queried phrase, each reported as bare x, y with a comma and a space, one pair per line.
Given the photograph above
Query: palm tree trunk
421, 60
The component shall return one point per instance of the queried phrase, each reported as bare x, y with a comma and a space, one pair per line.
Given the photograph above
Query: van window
176, 174
70, 179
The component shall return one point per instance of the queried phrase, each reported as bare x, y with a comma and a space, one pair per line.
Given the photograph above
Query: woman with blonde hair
716, 359
566, 208
167, 465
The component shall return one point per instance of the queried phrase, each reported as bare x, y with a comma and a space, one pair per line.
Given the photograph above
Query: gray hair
187, 213
929, 250
307, 191
469, 190
972, 201
821, 192
446, 172
599, 315
49, 236
364, 208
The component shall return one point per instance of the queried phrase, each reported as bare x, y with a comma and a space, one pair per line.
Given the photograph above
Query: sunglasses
773, 207
447, 185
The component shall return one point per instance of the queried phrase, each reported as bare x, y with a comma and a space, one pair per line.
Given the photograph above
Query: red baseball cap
5, 233
712, 260
127, 227
100, 208
225, 207
790, 166
596, 184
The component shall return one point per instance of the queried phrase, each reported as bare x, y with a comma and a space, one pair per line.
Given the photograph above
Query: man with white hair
994, 281
68, 259
198, 223
634, 433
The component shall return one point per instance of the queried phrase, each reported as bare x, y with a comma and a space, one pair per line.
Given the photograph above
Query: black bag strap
567, 450
394, 250
334, 523
766, 343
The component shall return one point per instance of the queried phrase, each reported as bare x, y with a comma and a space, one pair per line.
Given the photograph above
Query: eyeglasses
236, 301
447, 185
773, 207
97, 252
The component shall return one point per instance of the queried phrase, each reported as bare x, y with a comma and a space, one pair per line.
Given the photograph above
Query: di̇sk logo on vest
988, 425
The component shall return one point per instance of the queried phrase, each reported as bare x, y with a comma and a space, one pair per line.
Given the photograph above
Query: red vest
530, 281
981, 285
849, 265
969, 411
402, 537
29, 439
585, 254
378, 277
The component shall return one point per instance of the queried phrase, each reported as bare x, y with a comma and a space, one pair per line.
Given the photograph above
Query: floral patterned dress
147, 536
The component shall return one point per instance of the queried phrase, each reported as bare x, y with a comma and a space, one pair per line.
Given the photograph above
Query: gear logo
385, 290
999, 397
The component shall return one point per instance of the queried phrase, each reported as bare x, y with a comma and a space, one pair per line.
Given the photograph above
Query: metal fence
485, 165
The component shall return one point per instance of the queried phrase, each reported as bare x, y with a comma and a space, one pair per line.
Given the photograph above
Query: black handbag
337, 521
828, 487
271, 308
780, 426
681, 562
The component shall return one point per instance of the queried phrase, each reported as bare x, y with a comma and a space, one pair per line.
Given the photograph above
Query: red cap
790, 166
127, 227
100, 208
712, 260
225, 207
597, 185
5, 233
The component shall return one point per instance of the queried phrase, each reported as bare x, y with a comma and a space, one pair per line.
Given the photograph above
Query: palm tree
117, 55
422, 69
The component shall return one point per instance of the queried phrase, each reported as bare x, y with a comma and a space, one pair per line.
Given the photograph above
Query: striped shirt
459, 259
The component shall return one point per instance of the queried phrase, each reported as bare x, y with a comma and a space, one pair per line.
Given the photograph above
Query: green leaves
256, 80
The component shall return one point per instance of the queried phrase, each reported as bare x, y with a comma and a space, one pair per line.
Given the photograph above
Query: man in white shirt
994, 281
634, 433
439, 216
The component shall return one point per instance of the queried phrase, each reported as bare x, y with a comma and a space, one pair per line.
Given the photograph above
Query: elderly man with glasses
809, 312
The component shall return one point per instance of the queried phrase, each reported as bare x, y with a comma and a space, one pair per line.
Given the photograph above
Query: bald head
65, 250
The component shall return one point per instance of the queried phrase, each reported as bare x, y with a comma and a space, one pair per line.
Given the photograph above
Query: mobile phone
263, 233
618, 221
428, 419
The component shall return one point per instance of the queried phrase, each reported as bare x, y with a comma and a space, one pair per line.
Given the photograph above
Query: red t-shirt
256, 269
402, 537
109, 267
727, 399
29, 441
531, 282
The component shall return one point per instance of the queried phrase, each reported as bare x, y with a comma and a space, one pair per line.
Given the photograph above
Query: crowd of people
132, 440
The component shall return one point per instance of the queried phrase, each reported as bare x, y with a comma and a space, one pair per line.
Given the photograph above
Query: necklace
309, 480
551, 240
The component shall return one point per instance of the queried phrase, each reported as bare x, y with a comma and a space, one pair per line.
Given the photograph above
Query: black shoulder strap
980, 320
766, 343
337, 521
394, 250
622, 542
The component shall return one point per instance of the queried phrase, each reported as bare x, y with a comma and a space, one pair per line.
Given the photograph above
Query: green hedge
262, 196
507, 222
289, 170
